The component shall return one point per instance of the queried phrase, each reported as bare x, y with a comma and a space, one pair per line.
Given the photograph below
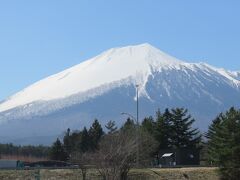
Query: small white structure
167, 155
168, 159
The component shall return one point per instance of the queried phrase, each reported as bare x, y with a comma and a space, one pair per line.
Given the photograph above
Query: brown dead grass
135, 174
200, 173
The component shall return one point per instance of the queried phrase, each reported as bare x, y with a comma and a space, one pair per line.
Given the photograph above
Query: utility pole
137, 129
137, 102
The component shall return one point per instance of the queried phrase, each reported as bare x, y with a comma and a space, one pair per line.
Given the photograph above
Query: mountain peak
141, 53
132, 63
104, 86
146, 46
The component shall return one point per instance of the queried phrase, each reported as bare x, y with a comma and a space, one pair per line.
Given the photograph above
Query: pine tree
85, 140
148, 125
75, 140
162, 129
129, 125
67, 142
182, 133
213, 144
57, 151
95, 133
111, 127
224, 144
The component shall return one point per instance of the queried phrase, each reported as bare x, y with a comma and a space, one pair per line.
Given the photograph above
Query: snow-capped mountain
104, 86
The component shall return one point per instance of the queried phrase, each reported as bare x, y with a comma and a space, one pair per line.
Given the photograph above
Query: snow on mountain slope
235, 74
112, 65
104, 86
137, 62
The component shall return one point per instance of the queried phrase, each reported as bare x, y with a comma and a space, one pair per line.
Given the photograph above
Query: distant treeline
35, 151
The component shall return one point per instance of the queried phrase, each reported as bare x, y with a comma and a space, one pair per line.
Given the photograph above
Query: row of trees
77, 141
112, 152
115, 151
173, 129
34, 151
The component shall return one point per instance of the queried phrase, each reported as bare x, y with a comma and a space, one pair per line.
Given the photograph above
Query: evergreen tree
67, 142
128, 125
148, 125
182, 133
85, 140
75, 141
57, 151
212, 143
95, 133
111, 127
162, 129
224, 144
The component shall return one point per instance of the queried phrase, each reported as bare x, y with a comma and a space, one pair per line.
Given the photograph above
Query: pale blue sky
40, 38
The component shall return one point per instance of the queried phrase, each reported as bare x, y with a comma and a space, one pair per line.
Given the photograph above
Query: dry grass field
140, 174
187, 173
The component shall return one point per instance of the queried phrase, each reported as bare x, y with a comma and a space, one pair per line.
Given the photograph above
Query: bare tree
82, 160
117, 153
